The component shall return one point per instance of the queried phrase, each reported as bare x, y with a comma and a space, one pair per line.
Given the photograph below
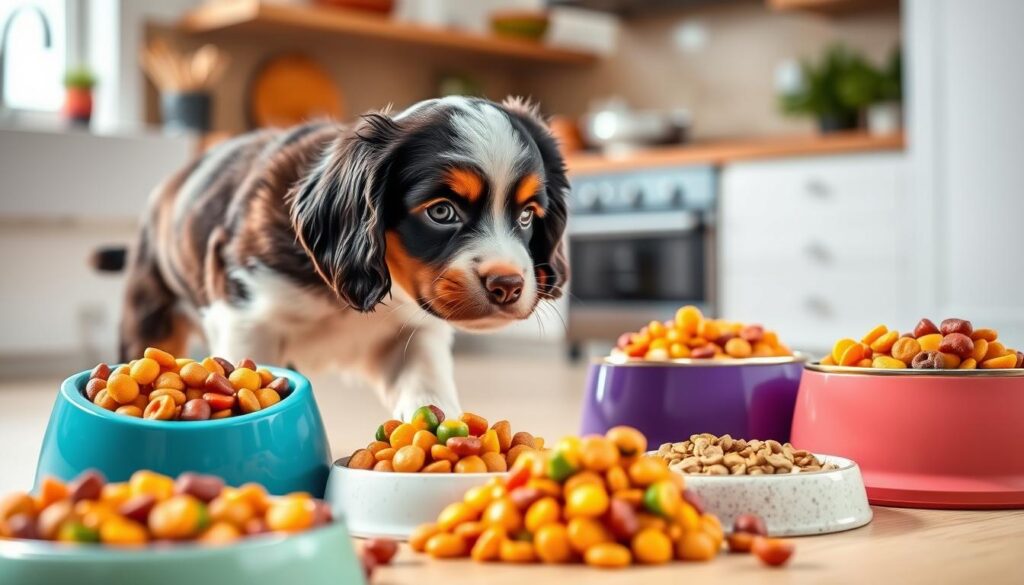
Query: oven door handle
634, 224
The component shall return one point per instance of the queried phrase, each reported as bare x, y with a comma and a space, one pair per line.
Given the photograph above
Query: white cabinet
815, 247
965, 91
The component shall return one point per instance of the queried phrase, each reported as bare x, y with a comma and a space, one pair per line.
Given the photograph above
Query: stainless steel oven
641, 243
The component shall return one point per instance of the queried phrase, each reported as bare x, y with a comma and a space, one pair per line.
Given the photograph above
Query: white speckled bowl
795, 504
392, 505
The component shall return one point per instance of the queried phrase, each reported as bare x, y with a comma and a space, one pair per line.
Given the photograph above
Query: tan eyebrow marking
527, 188
465, 183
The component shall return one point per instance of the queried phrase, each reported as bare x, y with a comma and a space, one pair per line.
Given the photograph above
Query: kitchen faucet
47, 41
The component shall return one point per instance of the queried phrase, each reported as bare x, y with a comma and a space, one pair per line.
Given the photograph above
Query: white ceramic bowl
794, 504
392, 505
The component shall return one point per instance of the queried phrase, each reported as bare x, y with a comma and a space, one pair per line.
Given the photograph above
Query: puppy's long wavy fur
280, 245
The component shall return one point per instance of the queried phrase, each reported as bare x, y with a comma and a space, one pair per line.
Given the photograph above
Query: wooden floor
543, 395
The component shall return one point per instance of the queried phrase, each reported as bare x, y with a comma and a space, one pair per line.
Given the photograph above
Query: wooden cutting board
291, 89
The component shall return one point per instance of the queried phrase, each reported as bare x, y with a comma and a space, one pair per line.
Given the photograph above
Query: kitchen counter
726, 151
899, 546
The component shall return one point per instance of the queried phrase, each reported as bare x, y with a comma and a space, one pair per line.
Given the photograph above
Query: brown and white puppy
356, 246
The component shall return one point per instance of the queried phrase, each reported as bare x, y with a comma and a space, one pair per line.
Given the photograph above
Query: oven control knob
633, 196
676, 195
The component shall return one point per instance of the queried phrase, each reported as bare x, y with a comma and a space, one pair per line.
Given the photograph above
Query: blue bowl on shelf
283, 447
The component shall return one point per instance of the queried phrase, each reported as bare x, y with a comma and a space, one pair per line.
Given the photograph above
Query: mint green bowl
319, 557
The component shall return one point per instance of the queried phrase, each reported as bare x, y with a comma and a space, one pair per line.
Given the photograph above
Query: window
33, 76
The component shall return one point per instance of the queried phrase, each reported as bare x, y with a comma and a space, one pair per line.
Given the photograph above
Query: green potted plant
78, 84
823, 92
885, 113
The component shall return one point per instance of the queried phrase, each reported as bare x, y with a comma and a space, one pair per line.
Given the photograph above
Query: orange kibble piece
51, 490
161, 357
825, 361
696, 546
244, 378
885, 341
995, 349
688, 318
738, 347
709, 330
905, 349
516, 551
194, 374
408, 459
874, 334
969, 364
950, 361
840, 348
471, 464
930, 342
441, 466
424, 439
144, 371
488, 545
864, 363
419, 537
888, 363
441, 452
1007, 361
980, 349
124, 389
988, 335
851, 355
402, 435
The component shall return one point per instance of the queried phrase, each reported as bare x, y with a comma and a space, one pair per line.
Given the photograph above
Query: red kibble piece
437, 412
281, 386
958, 344
100, 372
925, 327
621, 519
956, 326
750, 524
691, 497
87, 486
703, 352
248, 363
137, 508
219, 384
382, 549
93, 387
772, 551
752, 333
226, 365
524, 497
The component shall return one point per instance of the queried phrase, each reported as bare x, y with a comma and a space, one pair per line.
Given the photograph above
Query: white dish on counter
793, 504
391, 505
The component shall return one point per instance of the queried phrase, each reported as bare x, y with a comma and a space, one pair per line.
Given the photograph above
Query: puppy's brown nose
503, 289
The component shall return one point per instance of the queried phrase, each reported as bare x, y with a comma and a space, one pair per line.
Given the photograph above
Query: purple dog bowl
669, 401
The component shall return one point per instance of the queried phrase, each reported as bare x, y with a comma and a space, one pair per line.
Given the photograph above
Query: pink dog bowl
941, 439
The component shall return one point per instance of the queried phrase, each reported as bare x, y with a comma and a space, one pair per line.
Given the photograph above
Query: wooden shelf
257, 15
830, 7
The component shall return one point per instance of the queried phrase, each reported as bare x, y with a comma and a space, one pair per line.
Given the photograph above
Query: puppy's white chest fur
285, 324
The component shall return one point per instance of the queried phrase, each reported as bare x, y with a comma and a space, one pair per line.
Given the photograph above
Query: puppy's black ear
338, 212
547, 246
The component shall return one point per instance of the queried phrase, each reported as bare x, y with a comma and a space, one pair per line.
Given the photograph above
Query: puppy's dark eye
526, 218
443, 213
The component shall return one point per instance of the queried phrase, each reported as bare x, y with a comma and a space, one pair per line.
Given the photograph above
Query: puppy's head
458, 202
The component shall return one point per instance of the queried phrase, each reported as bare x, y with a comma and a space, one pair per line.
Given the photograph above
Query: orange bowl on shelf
923, 439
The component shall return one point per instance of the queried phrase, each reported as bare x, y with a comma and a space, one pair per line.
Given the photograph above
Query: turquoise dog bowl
283, 447
322, 556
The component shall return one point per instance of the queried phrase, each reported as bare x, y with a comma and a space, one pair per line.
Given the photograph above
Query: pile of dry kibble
953, 344
599, 500
154, 507
159, 386
710, 455
430, 443
690, 335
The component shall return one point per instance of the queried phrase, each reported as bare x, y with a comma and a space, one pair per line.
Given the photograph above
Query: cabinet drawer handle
818, 252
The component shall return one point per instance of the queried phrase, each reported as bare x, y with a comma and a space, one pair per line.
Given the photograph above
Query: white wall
966, 87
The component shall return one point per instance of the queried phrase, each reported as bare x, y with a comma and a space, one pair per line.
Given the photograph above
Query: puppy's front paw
407, 405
